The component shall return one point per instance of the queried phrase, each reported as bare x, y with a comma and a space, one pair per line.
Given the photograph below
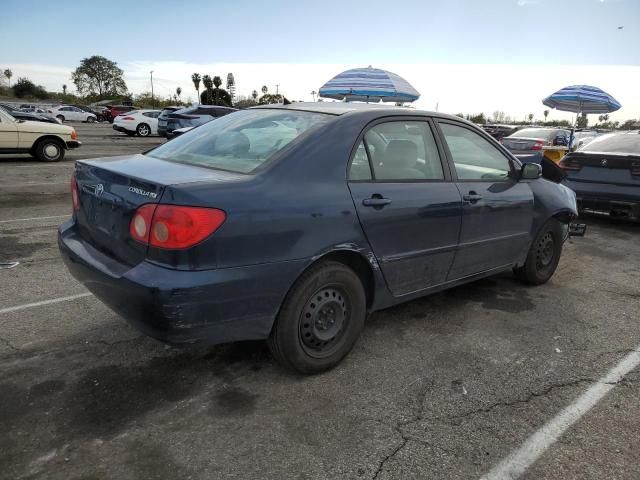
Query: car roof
354, 108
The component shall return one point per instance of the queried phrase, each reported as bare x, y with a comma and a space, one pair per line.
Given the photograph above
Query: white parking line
32, 184
44, 302
32, 219
517, 462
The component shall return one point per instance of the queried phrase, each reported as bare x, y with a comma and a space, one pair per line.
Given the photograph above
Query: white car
45, 141
66, 113
137, 122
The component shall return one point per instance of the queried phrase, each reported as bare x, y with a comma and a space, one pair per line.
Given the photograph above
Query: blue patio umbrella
582, 99
369, 84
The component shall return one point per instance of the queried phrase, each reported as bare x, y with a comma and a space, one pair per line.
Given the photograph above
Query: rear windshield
239, 142
614, 143
533, 133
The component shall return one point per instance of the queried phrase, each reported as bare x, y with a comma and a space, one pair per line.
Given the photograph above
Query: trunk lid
112, 189
521, 144
611, 168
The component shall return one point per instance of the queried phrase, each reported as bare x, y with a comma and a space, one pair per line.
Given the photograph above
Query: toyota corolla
292, 223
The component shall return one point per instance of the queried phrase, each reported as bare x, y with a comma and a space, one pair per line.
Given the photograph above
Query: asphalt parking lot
445, 387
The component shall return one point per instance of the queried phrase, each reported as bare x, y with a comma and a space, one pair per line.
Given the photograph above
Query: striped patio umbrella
369, 84
582, 99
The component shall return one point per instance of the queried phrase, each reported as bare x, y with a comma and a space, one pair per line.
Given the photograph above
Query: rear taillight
538, 145
173, 226
75, 195
126, 118
569, 164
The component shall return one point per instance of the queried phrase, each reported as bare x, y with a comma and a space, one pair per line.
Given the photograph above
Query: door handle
376, 201
472, 197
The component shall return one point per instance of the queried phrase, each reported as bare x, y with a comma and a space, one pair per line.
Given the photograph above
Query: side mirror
531, 171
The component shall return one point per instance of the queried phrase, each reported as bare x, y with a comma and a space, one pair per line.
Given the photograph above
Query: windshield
614, 143
533, 133
239, 142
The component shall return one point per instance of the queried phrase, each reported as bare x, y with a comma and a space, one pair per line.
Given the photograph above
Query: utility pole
277, 86
153, 102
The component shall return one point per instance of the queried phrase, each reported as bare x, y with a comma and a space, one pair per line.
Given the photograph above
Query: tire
91, 119
544, 255
143, 130
320, 320
49, 150
61, 118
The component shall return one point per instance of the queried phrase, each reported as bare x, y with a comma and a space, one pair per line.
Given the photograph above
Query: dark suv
194, 116
163, 117
114, 110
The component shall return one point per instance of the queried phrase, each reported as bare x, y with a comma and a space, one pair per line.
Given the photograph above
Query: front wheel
91, 119
544, 254
49, 150
320, 320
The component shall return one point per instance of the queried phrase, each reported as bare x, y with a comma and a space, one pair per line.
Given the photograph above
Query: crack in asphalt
419, 415
6, 342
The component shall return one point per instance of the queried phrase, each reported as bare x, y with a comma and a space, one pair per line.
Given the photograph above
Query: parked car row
19, 114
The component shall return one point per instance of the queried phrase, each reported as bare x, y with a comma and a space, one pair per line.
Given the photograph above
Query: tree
214, 96
582, 121
254, 95
8, 73
530, 117
99, 76
269, 98
264, 89
231, 85
178, 93
26, 88
64, 89
195, 78
498, 116
546, 114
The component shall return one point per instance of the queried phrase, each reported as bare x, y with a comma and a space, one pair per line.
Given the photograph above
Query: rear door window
402, 151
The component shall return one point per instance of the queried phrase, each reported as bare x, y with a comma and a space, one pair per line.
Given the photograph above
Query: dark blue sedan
291, 223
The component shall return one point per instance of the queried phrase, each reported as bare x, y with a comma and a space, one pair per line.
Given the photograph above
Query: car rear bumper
73, 144
602, 197
180, 307
120, 128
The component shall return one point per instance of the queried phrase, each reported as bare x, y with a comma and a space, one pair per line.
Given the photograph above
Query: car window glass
474, 157
403, 151
360, 168
240, 142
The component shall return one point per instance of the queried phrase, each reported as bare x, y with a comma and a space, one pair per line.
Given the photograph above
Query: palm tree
217, 81
530, 117
208, 84
196, 83
546, 114
313, 93
254, 94
264, 89
8, 73
64, 89
605, 117
178, 92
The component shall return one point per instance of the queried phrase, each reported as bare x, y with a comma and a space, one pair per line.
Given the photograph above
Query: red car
114, 110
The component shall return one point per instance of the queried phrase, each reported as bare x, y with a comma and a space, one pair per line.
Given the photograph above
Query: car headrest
401, 154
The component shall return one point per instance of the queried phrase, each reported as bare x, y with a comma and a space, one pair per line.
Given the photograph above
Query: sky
467, 56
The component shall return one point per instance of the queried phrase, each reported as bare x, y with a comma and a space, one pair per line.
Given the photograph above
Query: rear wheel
544, 254
143, 130
320, 319
49, 150
61, 118
91, 119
